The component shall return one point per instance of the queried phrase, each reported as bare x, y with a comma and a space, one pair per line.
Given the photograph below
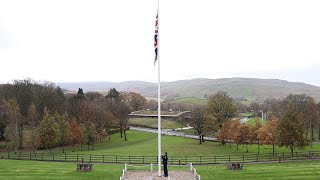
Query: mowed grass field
18, 169
153, 122
145, 144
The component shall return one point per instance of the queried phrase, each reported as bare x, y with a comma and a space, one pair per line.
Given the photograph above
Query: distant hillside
241, 88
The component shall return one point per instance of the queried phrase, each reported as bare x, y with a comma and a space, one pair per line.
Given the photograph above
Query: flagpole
159, 104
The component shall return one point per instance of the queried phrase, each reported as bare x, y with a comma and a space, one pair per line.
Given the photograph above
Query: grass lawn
18, 169
246, 114
188, 131
192, 100
142, 143
292, 170
153, 122
252, 121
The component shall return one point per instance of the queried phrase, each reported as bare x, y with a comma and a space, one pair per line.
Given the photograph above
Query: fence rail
173, 160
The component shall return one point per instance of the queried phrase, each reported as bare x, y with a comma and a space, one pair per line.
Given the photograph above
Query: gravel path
148, 175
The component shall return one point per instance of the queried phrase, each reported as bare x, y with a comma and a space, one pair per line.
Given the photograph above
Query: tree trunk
237, 147
258, 147
72, 146
121, 132
312, 134
291, 147
273, 149
247, 147
33, 138
88, 146
125, 135
20, 135
200, 139
63, 148
81, 146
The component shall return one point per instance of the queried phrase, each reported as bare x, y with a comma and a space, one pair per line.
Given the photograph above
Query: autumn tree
291, 131
88, 112
268, 133
255, 107
33, 122
220, 108
120, 109
242, 136
136, 101
64, 127
224, 132
234, 126
48, 131
253, 134
90, 133
13, 118
76, 133
311, 117
197, 121
122, 113
152, 104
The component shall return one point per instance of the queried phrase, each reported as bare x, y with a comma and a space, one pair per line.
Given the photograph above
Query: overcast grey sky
112, 40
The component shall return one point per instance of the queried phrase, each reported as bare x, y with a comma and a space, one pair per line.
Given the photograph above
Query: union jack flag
156, 40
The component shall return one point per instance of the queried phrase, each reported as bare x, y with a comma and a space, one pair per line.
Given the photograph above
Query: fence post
309, 154
229, 158
52, 156
116, 158
270, 157
77, 157
42, 156
186, 159
243, 158
19, 155
257, 158
8, 154
142, 159
30, 155
90, 157
129, 159
200, 159
215, 159
103, 158
65, 157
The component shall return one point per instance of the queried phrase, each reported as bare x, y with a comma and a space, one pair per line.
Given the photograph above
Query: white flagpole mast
159, 103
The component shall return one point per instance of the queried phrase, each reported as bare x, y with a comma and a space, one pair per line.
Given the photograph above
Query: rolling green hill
240, 88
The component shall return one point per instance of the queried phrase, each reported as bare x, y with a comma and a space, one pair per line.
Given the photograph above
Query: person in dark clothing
165, 164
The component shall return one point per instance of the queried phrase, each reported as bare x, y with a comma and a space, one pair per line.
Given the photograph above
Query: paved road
170, 132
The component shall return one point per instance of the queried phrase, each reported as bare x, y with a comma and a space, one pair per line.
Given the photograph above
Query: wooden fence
173, 160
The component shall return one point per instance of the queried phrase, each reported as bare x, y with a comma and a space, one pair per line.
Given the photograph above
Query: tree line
42, 116
290, 122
